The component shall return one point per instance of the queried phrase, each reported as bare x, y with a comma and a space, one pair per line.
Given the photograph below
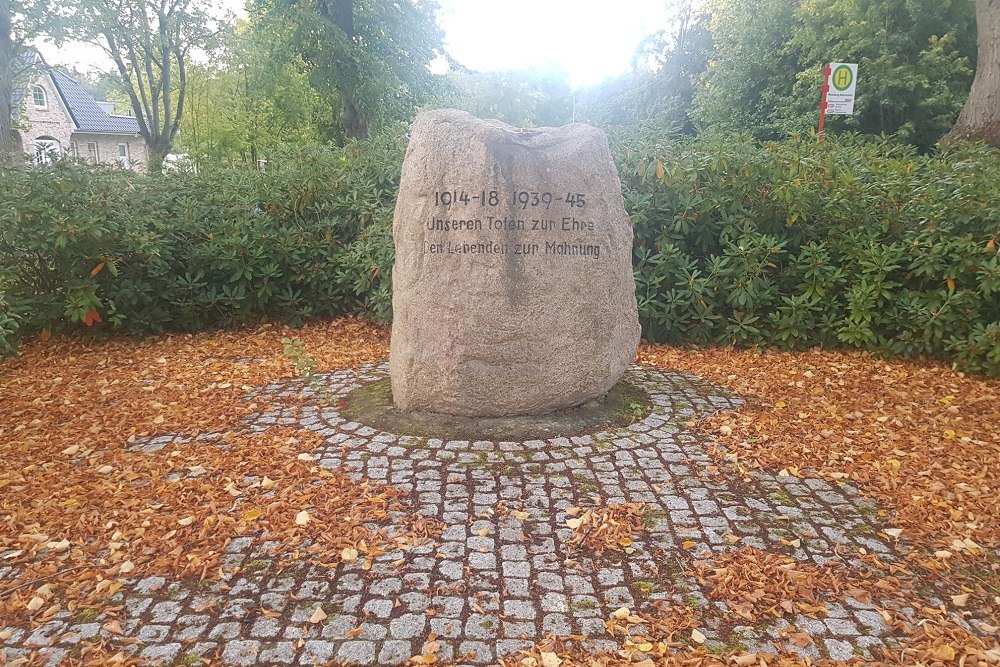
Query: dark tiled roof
87, 115
27, 59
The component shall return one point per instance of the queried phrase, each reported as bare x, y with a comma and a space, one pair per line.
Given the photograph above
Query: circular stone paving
498, 583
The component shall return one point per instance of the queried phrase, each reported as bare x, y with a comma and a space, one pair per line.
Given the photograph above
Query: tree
149, 42
369, 57
20, 25
750, 70
765, 75
253, 100
914, 64
208, 129
980, 118
666, 67
523, 98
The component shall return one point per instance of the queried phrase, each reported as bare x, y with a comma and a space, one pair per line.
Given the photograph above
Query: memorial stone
512, 288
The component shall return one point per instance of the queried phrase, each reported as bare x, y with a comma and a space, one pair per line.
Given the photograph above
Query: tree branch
137, 105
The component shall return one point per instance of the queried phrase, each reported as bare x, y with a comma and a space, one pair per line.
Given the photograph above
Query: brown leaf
944, 652
801, 639
113, 627
550, 659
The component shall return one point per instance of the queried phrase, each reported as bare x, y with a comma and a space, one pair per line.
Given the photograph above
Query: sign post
840, 81
822, 98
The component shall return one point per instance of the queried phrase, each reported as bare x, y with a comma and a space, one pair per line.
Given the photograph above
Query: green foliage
251, 104
750, 73
914, 65
9, 327
305, 367
188, 252
149, 44
296, 353
658, 93
368, 58
521, 98
915, 57
843, 243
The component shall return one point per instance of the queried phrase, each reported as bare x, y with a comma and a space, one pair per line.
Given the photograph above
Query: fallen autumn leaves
605, 527
921, 440
80, 509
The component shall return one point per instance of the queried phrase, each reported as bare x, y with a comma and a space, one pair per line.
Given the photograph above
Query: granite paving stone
493, 582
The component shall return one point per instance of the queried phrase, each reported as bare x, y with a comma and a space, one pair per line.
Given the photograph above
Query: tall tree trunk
341, 13
7, 66
355, 122
154, 164
980, 118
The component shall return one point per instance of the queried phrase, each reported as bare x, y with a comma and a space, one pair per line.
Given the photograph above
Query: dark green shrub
847, 242
187, 252
844, 243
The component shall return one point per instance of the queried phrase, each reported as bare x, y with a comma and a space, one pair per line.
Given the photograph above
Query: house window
123, 155
74, 149
93, 155
47, 149
38, 97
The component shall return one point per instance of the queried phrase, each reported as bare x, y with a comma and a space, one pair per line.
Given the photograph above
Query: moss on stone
372, 405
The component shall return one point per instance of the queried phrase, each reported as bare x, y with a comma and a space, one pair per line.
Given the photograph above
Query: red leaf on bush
91, 317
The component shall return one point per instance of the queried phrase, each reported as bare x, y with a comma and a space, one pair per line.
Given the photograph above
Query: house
62, 118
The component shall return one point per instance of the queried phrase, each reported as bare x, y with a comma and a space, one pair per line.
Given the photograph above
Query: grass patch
372, 404
860, 530
694, 602
781, 497
257, 565
650, 517
645, 587
88, 615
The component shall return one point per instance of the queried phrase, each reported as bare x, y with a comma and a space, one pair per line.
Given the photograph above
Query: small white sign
841, 85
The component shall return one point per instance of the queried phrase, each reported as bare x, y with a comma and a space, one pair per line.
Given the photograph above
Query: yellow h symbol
842, 78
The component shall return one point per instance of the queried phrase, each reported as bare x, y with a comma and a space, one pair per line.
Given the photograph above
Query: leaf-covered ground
921, 440
81, 509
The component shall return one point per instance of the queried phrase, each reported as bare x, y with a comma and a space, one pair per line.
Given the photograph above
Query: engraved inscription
506, 235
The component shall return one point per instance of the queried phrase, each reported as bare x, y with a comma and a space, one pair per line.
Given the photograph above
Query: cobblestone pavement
498, 583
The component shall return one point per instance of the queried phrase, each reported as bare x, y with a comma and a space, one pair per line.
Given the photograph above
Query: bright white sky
588, 39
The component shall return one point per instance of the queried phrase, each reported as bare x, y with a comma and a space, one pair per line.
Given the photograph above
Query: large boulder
512, 289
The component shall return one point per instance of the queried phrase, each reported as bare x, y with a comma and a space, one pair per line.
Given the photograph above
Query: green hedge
186, 252
848, 243
845, 243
